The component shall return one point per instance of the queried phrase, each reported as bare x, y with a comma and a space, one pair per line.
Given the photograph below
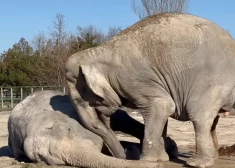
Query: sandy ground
181, 132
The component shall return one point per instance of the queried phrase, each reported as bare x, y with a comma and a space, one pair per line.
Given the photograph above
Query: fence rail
10, 96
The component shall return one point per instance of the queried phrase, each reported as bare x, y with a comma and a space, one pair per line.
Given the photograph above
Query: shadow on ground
6, 151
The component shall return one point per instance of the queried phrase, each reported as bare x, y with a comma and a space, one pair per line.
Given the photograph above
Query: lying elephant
167, 65
44, 127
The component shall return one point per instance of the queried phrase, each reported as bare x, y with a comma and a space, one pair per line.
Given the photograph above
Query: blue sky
25, 18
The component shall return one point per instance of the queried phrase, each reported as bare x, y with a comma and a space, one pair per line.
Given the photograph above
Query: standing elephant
167, 65
45, 127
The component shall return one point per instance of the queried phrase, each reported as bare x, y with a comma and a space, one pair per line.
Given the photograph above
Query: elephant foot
197, 161
163, 156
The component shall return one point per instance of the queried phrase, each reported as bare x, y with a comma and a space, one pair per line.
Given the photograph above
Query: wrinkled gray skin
167, 65
44, 127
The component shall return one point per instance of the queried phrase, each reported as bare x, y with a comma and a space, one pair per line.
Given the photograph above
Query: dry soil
181, 132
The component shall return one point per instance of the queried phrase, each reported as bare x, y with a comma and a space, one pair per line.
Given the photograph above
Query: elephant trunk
94, 159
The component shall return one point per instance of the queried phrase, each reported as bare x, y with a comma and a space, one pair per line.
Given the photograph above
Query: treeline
41, 61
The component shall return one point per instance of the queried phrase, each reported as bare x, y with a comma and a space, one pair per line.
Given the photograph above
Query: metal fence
10, 96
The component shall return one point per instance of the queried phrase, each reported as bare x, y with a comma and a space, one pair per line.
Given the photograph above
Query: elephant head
94, 98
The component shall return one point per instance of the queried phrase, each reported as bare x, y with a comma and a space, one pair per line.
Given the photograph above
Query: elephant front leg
155, 120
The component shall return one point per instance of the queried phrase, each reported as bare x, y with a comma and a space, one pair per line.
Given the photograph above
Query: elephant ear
99, 84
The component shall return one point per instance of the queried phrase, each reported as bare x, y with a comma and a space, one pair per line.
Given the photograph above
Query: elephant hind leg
214, 136
204, 118
205, 144
213, 132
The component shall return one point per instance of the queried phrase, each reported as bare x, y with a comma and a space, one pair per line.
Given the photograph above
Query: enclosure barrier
10, 96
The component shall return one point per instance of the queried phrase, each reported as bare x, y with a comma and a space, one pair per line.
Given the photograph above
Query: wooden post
11, 98
21, 93
1, 98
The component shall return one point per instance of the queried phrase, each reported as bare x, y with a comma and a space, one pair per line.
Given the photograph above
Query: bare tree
113, 30
144, 8
57, 50
58, 31
98, 35
39, 43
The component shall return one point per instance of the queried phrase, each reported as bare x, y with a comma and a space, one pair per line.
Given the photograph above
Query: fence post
64, 89
11, 98
21, 93
42, 88
31, 89
1, 98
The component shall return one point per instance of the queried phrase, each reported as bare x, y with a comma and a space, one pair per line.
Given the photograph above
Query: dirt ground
181, 132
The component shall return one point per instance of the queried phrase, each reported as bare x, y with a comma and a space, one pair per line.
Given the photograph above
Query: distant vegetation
41, 61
